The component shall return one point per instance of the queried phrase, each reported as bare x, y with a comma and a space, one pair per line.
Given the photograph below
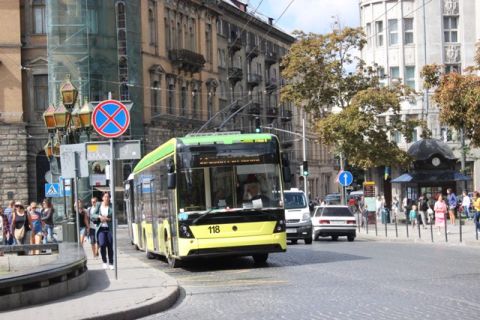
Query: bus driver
252, 191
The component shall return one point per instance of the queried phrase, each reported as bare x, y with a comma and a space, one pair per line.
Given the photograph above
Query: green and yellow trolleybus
209, 195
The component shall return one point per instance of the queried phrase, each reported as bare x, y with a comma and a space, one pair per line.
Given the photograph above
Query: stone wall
13, 163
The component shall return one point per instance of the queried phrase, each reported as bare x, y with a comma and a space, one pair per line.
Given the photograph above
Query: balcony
187, 60
270, 85
254, 79
272, 113
252, 50
286, 116
254, 108
235, 44
287, 144
235, 74
271, 58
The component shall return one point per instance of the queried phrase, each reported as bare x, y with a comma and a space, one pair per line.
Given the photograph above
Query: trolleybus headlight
279, 226
185, 232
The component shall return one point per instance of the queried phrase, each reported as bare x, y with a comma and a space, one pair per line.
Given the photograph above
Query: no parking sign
110, 118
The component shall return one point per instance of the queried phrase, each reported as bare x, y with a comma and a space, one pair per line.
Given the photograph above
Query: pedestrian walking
380, 203
440, 210
84, 221
47, 218
3, 226
36, 223
413, 215
476, 208
422, 210
92, 237
405, 204
8, 213
103, 216
452, 205
466, 202
20, 224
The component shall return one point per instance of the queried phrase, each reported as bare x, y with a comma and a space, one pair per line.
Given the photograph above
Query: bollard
445, 221
396, 226
419, 233
386, 229
460, 224
366, 222
406, 225
431, 227
376, 231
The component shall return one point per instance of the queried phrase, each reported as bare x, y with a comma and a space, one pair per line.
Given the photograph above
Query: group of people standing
31, 224
435, 211
34, 225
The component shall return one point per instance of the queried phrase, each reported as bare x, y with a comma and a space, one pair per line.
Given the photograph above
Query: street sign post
111, 119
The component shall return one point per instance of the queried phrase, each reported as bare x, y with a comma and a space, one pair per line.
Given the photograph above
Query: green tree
458, 98
317, 76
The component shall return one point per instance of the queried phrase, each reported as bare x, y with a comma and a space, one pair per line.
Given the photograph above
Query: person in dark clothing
47, 218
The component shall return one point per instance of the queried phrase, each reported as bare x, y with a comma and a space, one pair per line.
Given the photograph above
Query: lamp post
65, 123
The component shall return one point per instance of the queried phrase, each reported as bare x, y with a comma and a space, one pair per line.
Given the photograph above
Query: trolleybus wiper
201, 216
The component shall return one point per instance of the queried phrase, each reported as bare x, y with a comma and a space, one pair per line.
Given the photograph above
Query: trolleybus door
154, 212
140, 215
128, 198
172, 219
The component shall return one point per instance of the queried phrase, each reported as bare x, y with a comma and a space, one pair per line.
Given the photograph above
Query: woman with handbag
20, 224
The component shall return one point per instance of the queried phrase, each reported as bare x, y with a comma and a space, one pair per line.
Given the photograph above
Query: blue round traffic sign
110, 118
345, 178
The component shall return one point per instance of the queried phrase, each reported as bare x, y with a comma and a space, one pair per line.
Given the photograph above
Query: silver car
334, 221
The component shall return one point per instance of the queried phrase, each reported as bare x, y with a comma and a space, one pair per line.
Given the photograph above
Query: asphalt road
332, 280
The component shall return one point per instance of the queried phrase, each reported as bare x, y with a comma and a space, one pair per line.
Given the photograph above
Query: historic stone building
403, 36
250, 50
180, 71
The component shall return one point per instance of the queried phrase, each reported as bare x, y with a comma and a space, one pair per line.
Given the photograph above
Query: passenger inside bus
253, 192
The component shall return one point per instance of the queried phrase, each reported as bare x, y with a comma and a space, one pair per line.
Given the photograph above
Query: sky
316, 16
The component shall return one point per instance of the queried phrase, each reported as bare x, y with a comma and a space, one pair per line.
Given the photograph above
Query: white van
297, 214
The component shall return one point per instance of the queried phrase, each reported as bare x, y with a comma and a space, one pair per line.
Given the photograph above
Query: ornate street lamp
48, 117
69, 93
85, 115
62, 117
77, 124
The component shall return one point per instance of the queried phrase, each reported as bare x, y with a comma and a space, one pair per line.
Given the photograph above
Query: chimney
240, 5
270, 21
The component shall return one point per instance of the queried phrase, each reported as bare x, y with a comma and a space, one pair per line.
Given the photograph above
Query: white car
334, 221
297, 214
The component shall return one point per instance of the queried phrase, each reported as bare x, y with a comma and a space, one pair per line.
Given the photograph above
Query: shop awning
431, 176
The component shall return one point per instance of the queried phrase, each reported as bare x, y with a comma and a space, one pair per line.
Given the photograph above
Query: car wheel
334, 238
260, 258
308, 240
351, 238
294, 241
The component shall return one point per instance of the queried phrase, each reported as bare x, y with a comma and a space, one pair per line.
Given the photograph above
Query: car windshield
295, 200
333, 212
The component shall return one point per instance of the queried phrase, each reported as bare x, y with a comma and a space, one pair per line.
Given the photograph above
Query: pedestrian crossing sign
52, 190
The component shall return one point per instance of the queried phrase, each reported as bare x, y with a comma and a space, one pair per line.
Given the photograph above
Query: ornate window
408, 30
152, 23
39, 17
40, 91
450, 28
392, 31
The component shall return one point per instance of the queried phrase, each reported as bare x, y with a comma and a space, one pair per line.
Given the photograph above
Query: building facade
402, 37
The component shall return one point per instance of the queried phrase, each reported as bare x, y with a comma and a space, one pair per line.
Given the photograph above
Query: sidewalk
139, 291
453, 235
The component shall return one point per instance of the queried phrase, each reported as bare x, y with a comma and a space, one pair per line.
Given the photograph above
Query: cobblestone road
333, 280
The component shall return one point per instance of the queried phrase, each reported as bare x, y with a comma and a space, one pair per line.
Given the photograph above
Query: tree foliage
317, 79
458, 97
